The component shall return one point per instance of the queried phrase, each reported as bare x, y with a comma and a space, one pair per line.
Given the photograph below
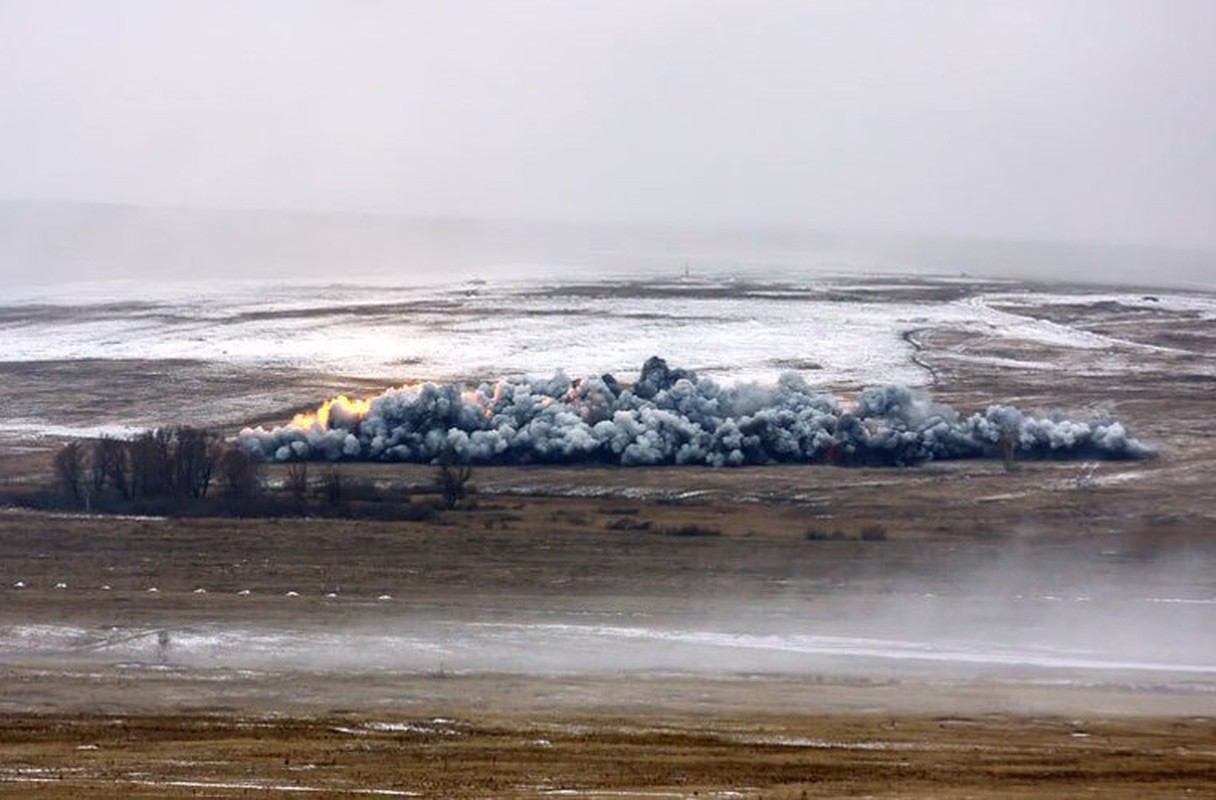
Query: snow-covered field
835, 331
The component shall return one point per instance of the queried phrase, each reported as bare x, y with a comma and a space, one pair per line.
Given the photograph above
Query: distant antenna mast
687, 274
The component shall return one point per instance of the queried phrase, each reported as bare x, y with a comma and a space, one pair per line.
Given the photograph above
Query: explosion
342, 410
673, 416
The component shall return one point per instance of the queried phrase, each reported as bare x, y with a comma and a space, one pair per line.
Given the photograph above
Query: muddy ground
245, 658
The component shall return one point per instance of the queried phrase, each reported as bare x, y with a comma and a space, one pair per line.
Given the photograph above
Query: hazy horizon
1035, 122
47, 243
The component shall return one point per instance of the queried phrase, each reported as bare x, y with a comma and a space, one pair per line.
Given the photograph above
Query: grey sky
1062, 120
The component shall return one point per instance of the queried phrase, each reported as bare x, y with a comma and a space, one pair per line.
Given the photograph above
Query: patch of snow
34, 428
272, 787
371, 728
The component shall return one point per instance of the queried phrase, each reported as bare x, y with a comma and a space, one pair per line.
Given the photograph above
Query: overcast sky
1091, 121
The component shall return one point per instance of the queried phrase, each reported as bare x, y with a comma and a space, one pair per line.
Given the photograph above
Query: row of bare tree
180, 462
174, 469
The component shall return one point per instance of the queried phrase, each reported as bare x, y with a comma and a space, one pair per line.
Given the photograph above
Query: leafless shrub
691, 530
627, 524
874, 533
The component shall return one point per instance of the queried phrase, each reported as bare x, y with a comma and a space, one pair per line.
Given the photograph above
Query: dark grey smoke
672, 416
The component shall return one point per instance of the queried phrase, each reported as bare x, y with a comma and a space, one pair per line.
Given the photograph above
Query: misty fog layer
1075, 122
44, 243
672, 416
1061, 619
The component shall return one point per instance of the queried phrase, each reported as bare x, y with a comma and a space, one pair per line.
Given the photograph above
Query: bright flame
359, 408
308, 420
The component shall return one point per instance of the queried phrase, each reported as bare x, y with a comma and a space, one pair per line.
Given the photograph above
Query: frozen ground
844, 332
837, 332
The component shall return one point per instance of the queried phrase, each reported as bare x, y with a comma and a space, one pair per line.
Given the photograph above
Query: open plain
958, 629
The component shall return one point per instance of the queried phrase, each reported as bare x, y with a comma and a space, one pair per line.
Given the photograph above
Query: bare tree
69, 466
151, 473
112, 465
192, 455
297, 484
238, 473
97, 470
453, 477
331, 484
239, 476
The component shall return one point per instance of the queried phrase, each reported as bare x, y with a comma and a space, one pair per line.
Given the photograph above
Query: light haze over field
198, 125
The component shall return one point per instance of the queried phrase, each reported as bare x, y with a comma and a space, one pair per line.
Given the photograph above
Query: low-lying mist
1021, 615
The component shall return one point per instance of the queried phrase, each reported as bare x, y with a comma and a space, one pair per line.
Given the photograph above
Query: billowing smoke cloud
672, 416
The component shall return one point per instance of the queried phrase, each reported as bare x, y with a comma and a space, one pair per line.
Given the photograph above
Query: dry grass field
604, 755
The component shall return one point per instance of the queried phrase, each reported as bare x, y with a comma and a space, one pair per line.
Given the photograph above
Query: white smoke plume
672, 416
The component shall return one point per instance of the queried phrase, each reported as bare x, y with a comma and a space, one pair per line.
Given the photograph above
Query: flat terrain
603, 755
953, 630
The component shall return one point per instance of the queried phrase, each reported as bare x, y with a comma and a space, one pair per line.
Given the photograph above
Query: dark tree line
179, 463
194, 471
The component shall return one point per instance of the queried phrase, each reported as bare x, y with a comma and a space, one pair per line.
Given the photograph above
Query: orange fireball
357, 408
